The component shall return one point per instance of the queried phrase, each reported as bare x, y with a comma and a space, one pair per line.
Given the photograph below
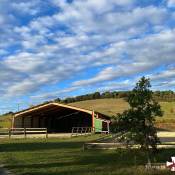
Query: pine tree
136, 124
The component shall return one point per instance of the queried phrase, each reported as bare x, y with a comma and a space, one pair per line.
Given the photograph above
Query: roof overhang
50, 105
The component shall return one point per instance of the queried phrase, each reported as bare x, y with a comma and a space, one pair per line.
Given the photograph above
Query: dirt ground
164, 136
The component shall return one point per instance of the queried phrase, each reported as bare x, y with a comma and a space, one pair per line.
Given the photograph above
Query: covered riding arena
60, 118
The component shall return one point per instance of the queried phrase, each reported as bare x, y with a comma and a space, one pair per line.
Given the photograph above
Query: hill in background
108, 107
112, 106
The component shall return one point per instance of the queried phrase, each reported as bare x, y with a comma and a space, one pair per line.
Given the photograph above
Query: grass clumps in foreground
66, 157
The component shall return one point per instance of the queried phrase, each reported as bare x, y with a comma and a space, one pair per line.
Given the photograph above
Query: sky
63, 48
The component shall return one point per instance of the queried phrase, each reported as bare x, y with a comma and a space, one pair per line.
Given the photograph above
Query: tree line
167, 96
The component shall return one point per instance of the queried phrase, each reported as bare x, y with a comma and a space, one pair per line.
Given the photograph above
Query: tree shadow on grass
123, 171
95, 160
35, 146
41, 165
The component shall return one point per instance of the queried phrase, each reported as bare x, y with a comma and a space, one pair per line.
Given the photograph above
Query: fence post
81, 130
46, 134
9, 133
72, 131
25, 134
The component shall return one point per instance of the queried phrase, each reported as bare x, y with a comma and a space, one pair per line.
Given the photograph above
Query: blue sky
59, 48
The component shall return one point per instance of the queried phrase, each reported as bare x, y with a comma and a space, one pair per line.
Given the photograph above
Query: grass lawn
66, 157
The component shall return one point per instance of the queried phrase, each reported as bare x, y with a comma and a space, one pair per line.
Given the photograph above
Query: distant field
106, 106
169, 109
112, 106
5, 121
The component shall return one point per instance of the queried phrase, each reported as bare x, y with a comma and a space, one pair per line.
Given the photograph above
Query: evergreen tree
136, 124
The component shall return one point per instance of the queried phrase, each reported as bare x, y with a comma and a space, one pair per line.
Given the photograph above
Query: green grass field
5, 121
67, 157
106, 106
112, 106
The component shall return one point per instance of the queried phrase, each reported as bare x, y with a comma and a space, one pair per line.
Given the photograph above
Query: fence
82, 130
86, 130
22, 131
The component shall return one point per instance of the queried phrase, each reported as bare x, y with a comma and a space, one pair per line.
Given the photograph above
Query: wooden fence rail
22, 131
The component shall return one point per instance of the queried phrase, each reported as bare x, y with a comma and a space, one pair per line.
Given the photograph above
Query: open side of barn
60, 118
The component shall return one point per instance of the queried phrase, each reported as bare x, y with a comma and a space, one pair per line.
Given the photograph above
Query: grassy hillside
169, 109
5, 121
112, 106
106, 106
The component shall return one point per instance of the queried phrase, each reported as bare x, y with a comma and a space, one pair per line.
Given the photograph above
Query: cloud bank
72, 47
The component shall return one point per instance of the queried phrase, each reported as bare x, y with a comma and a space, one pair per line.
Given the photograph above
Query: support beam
31, 121
108, 127
23, 122
39, 122
93, 124
12, 123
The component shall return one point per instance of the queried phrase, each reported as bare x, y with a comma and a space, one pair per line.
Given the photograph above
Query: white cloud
115, 38
53, 95
24, 62
164, 75
26, 7
171, 3
143, 54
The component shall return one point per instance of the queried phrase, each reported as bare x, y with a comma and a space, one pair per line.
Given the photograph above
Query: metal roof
54, 104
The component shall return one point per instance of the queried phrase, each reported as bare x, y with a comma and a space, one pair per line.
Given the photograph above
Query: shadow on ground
68, 158
13, 147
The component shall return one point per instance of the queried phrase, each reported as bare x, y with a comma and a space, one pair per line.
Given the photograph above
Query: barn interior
57, 119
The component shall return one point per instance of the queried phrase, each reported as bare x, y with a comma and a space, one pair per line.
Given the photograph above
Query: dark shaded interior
56, 119
104, 126
64, 120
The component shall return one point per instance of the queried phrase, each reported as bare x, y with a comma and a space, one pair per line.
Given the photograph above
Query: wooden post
77, 130
46, 134
81, 130
31, 122
72, 131
39, 122
22, 122
108, 127
9, 133
93, 121
25, 134
12, 123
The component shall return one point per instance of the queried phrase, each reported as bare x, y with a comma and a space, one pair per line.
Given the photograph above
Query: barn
60, 118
